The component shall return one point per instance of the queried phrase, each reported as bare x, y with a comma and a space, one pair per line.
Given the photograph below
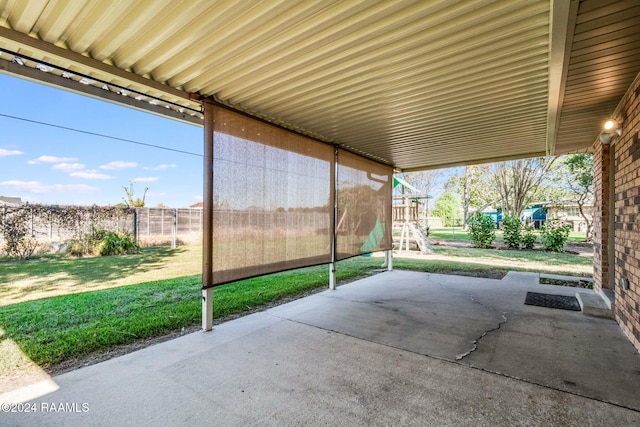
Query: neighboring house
10, 201
495, 214
571, 213
536, 215
198, 205
539, 213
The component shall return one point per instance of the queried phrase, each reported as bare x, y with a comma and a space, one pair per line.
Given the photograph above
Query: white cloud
39, 188
160, 167
146, 179
90, 174
51, 159
197, 198
117, 165
6, 153
68, 167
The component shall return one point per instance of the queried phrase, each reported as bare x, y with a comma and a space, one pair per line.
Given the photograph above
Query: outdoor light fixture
611, 130
610, 125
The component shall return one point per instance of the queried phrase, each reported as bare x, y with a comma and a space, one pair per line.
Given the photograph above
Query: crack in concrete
457, 361
463, 365
486, 307
475, 342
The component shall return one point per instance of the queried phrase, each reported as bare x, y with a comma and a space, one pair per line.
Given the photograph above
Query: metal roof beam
562, 25
48, 49
59, 82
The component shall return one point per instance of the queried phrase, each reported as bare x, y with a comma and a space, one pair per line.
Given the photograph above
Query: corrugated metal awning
416, 84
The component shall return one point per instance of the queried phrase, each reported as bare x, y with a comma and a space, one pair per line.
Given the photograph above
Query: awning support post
207, 309
207, 219
332, 276
333, 221
388, 260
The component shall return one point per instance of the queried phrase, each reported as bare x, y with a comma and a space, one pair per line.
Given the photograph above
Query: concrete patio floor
397, 348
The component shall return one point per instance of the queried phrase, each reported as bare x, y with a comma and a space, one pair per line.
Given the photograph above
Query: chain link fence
162, 226
50, 226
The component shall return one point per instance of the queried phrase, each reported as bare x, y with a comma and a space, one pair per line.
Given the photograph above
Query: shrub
528, 237
482, 229
554, 235
80, 247
103, 243
113, 243
16, 230
512, 236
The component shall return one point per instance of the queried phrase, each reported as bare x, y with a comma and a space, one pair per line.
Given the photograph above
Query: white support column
389, 259
332, 276
207, 309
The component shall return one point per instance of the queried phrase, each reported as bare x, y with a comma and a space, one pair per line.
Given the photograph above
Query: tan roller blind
364, 206
272, 199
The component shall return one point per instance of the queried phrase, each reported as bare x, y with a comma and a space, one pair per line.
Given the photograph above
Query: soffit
604, 60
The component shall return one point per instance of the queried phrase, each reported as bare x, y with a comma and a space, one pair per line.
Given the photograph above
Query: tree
574, 176
517, 182
424, 181
448, 207
474, 189
130, 200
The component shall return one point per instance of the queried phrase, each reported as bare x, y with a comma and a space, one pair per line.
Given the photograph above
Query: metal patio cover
414, 84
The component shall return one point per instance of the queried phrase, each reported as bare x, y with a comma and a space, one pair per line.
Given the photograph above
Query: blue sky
42, 164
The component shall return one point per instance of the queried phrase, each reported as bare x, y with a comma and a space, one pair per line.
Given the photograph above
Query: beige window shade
363, 223
272, 199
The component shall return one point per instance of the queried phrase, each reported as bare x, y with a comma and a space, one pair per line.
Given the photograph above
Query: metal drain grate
561, 302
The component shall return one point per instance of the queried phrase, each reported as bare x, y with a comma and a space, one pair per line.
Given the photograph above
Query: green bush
117, 244
554, 235
528, 237
482, 229
80, 247
103, 243
512, 227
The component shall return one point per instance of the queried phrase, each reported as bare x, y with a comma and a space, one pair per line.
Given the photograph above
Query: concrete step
609, 298
522, 278
593, 304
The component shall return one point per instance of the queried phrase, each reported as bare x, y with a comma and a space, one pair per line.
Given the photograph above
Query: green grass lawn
451, 233
54, 275
534, 261
54, 329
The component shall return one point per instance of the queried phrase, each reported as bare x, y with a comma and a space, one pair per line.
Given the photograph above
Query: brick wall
601, 216
627, 217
